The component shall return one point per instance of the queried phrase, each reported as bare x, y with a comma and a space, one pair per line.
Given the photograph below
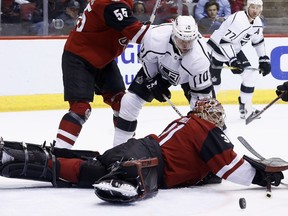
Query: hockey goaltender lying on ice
184, 154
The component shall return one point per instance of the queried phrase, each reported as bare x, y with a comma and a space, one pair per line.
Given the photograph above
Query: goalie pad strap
151, 162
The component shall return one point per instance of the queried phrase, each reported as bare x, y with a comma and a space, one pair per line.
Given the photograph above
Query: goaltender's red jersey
192, 147
104, 30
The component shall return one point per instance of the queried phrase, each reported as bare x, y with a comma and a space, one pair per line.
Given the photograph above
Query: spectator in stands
14, 11
236, 5
209, 23
140, 12
223, 13
173, 12
68, 18
55, 8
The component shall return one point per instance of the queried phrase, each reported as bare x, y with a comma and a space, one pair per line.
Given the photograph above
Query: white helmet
185, 31
185, 28
255, 2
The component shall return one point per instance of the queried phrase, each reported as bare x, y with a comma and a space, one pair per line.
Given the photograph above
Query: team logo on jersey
225, 138
214, 79
123, 41
245, 39
139, 80
172, 76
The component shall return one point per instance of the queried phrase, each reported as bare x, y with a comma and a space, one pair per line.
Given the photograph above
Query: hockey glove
281, 88
264, 65
158, 86
261, 178
237, 65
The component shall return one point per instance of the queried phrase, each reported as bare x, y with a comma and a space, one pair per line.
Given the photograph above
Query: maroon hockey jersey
104, 30
191, 147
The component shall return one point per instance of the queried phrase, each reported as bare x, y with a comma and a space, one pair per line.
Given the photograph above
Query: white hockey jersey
235, 32
158, 54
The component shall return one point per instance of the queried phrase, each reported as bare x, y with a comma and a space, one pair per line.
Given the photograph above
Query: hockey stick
274, 164
250, 148
254, 115
231, 68
269, 165
153, 14
172, 105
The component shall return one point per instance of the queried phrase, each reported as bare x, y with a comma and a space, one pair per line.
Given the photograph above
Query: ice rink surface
267, 135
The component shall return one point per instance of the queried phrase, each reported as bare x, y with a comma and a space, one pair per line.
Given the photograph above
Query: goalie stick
254, 115
274, 164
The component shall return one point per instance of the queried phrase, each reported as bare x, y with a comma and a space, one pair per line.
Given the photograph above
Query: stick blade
249, 118
274, 164
254, 115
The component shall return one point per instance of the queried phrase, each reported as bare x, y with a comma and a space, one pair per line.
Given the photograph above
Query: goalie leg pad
30, 162
69, 153
33, 171
129, 181
90, 171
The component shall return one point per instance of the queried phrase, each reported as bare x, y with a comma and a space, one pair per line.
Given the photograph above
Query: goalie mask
211, 110
185, 31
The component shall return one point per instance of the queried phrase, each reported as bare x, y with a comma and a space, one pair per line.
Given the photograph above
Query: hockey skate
242, 109
115, 187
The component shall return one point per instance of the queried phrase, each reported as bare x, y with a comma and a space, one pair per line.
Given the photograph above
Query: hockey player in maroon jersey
101, 34
181, 156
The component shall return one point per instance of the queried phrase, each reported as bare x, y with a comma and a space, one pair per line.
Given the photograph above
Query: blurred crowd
58, 17
33, 17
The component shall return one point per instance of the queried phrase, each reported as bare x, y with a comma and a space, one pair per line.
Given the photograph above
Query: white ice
267, 135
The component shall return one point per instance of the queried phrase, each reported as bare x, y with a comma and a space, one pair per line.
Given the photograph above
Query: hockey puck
242, 203
268, 194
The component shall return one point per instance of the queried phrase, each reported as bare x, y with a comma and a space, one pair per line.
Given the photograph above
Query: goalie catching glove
129, 181
158, 86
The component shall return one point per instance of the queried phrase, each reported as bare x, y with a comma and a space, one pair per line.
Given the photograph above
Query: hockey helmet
255, 2
210, 110
185, 31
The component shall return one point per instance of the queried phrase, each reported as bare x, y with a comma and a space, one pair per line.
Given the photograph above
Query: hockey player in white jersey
171, 54
226, 47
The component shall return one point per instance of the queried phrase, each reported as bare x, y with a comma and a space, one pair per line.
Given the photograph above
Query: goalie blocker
268, 171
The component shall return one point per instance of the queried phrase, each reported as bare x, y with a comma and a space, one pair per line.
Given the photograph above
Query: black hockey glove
264, 65
261, 178
281, 88
237, 65
158, 86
